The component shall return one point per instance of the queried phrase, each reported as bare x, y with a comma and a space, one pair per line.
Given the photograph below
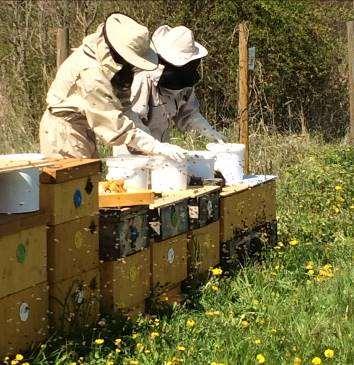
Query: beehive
23, 319
122, 232
243, 208
74, 302
203, 249
69, 189
204, 206
168, 263
125, 283
168, 216
72, 248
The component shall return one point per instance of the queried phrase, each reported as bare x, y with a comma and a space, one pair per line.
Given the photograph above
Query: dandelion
139, 347
329, 354
273, 330
190, 323
215, 288
257, 341
297, 361
181, 348
294, 242
212, 313
245, 323
19, 357
135, 335
260, 359
216, 272
316, 361
338, 188
153, 335
99, 341
311, 272
118, 342
309, 265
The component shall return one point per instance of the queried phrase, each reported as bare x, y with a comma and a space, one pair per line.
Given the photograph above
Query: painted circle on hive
24, 311
21, 253
170, 255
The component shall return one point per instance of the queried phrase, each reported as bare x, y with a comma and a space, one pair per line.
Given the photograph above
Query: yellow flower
216, 363
133, 362
316, 361
260, 359
215, 288
99, 341
329, 354
190, 323
216, 272
297, 361
109, 362
336, 209
212, 313
273, 330
352, 207
139, 347
117, 342
257, 341
338, 188
311, 272
14, 362
135, 335
19, 357
294, 242
244, 323
25, 363
181, 348
153, 335
309, 265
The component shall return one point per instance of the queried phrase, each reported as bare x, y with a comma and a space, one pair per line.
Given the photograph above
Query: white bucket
168, 175
229, 160
200, 164
133, 169
19, 190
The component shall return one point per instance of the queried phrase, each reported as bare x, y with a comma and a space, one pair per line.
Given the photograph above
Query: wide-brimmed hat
177, 45
131, 41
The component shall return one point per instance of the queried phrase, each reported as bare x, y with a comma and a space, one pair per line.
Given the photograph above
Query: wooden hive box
74, 302
243, 208
23, 247
204, 206
125, 283
203, 249
69, 189
23, 320
168, 263
72, 248
122, 232
169, 216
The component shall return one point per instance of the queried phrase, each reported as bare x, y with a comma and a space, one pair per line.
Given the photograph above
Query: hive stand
23, 281
69, 194
248, 219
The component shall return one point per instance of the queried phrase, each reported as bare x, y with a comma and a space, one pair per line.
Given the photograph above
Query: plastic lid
225, 147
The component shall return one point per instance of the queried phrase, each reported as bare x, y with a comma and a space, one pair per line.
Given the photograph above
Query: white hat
131, 41
177, 45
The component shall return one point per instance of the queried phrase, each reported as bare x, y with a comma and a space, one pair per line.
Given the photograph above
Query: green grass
290, 310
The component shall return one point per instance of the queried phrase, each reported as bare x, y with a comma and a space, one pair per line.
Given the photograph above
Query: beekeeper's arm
190, 119
114, 124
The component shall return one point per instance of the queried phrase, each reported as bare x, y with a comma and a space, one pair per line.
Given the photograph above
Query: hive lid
69, 169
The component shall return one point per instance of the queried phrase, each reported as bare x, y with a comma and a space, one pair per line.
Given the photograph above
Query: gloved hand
169, 150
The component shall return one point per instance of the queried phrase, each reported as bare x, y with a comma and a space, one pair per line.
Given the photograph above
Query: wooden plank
70, 200
350, 32
246, 209
72, 248
168, 263
127, 199
23, 260
69, 169
74, 303
62, 45
243, 91
23, 320
125, 283
12, 223
203, 249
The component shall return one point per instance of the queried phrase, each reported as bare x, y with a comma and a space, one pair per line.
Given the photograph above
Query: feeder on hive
69, 194
23, 281
248, 219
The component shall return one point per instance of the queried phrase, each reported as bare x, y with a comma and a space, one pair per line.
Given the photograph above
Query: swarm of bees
113, 186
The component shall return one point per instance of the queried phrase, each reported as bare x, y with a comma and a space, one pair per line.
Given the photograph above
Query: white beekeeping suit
165, 97
89, 97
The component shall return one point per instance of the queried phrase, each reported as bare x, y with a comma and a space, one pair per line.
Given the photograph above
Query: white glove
169, 150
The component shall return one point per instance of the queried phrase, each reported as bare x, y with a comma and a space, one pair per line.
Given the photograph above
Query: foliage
296, 303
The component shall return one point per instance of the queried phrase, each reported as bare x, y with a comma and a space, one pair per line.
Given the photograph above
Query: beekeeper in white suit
165, 97
89, 97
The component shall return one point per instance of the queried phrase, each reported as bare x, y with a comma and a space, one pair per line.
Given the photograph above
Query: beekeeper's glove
169, 150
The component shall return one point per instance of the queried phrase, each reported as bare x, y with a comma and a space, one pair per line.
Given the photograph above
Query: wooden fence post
62, 45
243, 91
350, 31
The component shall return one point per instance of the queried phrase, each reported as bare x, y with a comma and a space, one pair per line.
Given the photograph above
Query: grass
296, 303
